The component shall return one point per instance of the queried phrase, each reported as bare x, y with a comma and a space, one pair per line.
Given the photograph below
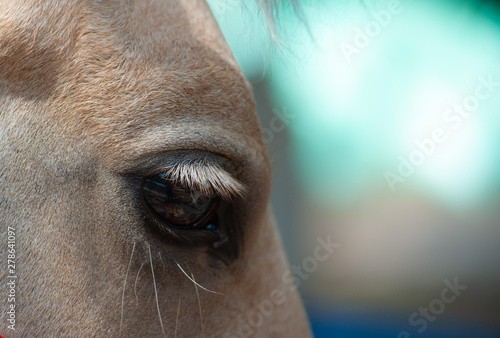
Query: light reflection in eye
178, 206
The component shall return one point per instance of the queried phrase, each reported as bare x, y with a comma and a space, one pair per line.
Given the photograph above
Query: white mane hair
272, 8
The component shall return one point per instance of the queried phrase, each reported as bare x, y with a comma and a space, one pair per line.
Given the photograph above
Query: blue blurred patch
390, 325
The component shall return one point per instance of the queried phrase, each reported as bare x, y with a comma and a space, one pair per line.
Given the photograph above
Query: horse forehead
121, 65
174, 65
146, 20
151, 26
167, 40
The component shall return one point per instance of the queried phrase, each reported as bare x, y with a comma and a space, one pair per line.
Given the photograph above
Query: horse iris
178, 206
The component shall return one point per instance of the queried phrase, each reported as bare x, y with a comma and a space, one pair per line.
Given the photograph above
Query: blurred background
382, 119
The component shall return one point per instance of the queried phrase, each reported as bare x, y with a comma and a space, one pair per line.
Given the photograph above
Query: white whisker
125, 284
199, 306
192, 280
135, 284
164, 267
156, 292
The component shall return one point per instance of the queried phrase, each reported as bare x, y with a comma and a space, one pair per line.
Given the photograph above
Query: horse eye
178, 207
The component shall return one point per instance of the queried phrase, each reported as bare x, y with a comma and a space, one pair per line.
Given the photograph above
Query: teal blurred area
382, 119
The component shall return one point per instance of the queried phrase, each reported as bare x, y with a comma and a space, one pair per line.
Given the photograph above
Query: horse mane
272, 9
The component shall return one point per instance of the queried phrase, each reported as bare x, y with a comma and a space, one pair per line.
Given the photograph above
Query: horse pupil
177, 206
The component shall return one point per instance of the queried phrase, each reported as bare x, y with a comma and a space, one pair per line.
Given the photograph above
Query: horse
134, 180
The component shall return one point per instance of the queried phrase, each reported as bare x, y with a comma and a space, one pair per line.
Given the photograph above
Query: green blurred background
382, 119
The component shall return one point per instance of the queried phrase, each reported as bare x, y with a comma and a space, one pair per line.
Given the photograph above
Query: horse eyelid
207, 177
